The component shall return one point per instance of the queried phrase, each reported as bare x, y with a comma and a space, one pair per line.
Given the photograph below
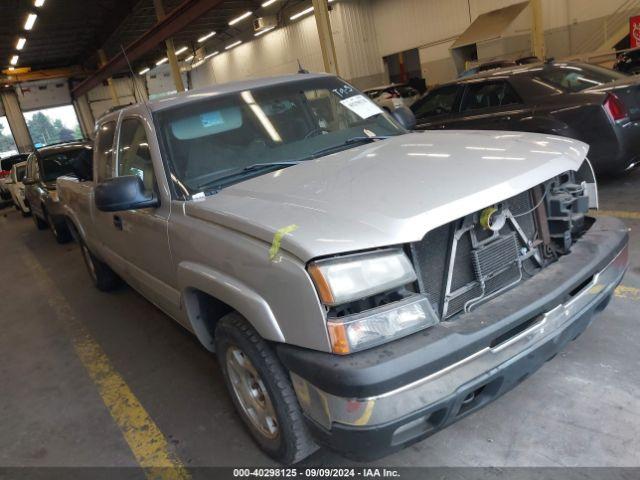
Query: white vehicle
393, 96
16, 187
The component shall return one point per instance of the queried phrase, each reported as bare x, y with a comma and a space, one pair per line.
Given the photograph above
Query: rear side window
103, 154
575, 78
489, 95
437, 102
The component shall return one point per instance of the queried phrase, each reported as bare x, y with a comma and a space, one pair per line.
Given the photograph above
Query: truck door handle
117, 222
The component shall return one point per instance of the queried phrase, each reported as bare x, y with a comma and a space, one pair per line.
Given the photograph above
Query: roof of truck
231, 87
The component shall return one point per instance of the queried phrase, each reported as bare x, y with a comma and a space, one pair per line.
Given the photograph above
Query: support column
537, 30
321, 12
16, 121
171, 51
85, 115
112, 88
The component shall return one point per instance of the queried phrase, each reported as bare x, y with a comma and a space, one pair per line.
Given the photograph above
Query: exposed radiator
460, 264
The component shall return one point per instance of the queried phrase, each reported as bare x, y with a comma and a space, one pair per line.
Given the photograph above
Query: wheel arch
208, 295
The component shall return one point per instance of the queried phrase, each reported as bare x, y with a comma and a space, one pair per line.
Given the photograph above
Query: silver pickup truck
362, 286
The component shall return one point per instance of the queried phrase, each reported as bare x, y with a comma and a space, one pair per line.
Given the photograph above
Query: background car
5, 170
496, 64
628, 62
598, 106
393, 96
44, 166
16, 187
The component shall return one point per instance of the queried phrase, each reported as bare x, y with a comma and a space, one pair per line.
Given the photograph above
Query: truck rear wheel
59, 230
40, 224
261, 391
103, 277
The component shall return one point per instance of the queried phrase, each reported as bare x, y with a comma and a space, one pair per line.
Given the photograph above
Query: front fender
234, 293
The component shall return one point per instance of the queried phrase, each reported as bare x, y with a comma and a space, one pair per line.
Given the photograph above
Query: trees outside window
7, 144
53, 125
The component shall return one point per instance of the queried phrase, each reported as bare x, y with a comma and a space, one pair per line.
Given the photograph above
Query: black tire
60, 230
101, 274
293, 442
40, 223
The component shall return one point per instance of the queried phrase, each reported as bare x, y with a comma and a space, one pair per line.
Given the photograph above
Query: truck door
140, 237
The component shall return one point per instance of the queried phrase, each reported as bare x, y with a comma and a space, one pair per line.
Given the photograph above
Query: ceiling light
234, 44
161, 61
39, 3
240, 18
262, 32
300, 14
14, 60
268, 2
189, 58
21, 42
304, 12
181, 50
31, 19
206, 37
211, 55
142, 72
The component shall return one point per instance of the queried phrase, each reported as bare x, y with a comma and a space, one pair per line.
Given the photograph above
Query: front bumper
369, 404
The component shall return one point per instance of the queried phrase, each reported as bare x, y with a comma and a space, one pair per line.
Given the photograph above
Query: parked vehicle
628, 62
5, 171
598, 106
16, 188
361, 286
393, 96
498, 64
44, 166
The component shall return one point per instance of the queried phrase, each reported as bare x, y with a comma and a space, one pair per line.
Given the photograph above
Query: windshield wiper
259, 166
346, 143
216, 185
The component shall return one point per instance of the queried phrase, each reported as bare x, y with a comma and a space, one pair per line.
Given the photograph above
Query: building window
53, 125
7, 144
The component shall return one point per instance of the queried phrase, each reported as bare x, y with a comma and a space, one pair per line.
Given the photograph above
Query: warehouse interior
109, 381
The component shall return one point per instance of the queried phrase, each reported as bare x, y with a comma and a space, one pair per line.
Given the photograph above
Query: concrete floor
581, 409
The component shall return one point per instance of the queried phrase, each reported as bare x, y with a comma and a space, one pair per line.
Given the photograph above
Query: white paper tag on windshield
361, 106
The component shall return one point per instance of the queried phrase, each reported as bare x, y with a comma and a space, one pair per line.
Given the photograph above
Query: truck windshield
209, 144
58, 164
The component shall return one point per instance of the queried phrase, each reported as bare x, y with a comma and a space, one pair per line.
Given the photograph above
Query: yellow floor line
616, 213
146, 441
630, 293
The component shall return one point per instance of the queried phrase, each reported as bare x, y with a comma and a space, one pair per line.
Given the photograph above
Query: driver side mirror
123, 193
405, 117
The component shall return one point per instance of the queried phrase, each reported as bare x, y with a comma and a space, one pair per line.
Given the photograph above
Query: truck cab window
104, 150
134, 157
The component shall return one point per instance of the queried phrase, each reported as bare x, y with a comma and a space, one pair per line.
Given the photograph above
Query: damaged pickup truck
362, 286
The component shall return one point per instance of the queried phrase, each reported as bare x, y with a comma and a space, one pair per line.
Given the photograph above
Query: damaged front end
475, 258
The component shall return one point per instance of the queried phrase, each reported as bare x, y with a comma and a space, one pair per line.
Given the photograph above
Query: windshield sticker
361, 106
211, 119
344, 91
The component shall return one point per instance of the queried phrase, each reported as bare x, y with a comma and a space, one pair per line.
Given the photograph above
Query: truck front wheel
261, 391
103, 277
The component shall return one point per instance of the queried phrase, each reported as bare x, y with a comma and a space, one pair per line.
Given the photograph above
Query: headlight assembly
371, 328
342, 280
345, 279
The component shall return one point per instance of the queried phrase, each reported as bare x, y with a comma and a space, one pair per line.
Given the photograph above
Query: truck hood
388, 192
